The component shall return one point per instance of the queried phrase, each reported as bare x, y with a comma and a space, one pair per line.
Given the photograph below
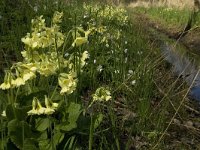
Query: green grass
169, 17
122, 59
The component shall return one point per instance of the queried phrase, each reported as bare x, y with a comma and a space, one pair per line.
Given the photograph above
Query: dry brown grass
165, 3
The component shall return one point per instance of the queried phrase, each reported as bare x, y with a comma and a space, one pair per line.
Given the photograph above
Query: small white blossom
66, 54
126, 50
3, 114
35, 8
99, 68
95, 61
126, 59
85, 16
130, 71
116, 71
133, 82
139, 52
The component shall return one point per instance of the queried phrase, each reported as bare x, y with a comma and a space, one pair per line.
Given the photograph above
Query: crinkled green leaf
19, 131
98, 120
42, 124
47, 144
74, 111
10, 112
29, 144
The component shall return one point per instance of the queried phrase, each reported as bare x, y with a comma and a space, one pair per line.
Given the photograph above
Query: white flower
133, 82
66, 54
95, 61
99, 68
3, 114
139, 52
116, 71
125, 61
85, 16
125, 51
130, 71
35, 8
126, 42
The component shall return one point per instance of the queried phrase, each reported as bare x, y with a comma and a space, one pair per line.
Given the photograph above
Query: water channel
184, 63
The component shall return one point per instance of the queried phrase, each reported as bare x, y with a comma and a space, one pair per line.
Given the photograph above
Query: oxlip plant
42, 110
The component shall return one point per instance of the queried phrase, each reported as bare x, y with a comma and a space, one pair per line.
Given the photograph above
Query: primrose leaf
98, 120
29, 144
58, 137
19, 132
10, 112
42, 124
47, 144
74, 111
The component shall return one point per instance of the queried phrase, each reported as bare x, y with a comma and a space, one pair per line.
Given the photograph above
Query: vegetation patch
87, 76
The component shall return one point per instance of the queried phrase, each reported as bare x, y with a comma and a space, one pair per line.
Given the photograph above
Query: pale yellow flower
18, 82
67, 83
37, 108
7, 81
33, 111
47, 68
5, 86
50, 106
3, 114
85, 55
102, 94
57, 17
79, 41
28, 75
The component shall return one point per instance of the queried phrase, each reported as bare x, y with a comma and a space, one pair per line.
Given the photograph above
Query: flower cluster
42, 56
67, 82
37, 108
108, 12
102, 94
42, 36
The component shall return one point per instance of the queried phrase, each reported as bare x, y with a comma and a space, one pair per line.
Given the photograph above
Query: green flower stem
114, 127
51, 132
65, 42
11, 101
91, 133
59, 68
2, 137
16, 95
54, 91
23, 136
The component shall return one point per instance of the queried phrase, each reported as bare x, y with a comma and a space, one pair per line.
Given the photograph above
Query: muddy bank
191, 40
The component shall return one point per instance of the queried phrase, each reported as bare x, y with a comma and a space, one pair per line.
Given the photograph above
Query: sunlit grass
97, 81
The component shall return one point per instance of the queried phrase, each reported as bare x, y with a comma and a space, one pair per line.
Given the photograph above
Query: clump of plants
43, 107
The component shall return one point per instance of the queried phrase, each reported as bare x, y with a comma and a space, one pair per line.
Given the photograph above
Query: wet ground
182, 55
191, 40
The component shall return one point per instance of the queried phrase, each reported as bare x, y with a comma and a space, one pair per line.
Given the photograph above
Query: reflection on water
185, 63
183, 66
